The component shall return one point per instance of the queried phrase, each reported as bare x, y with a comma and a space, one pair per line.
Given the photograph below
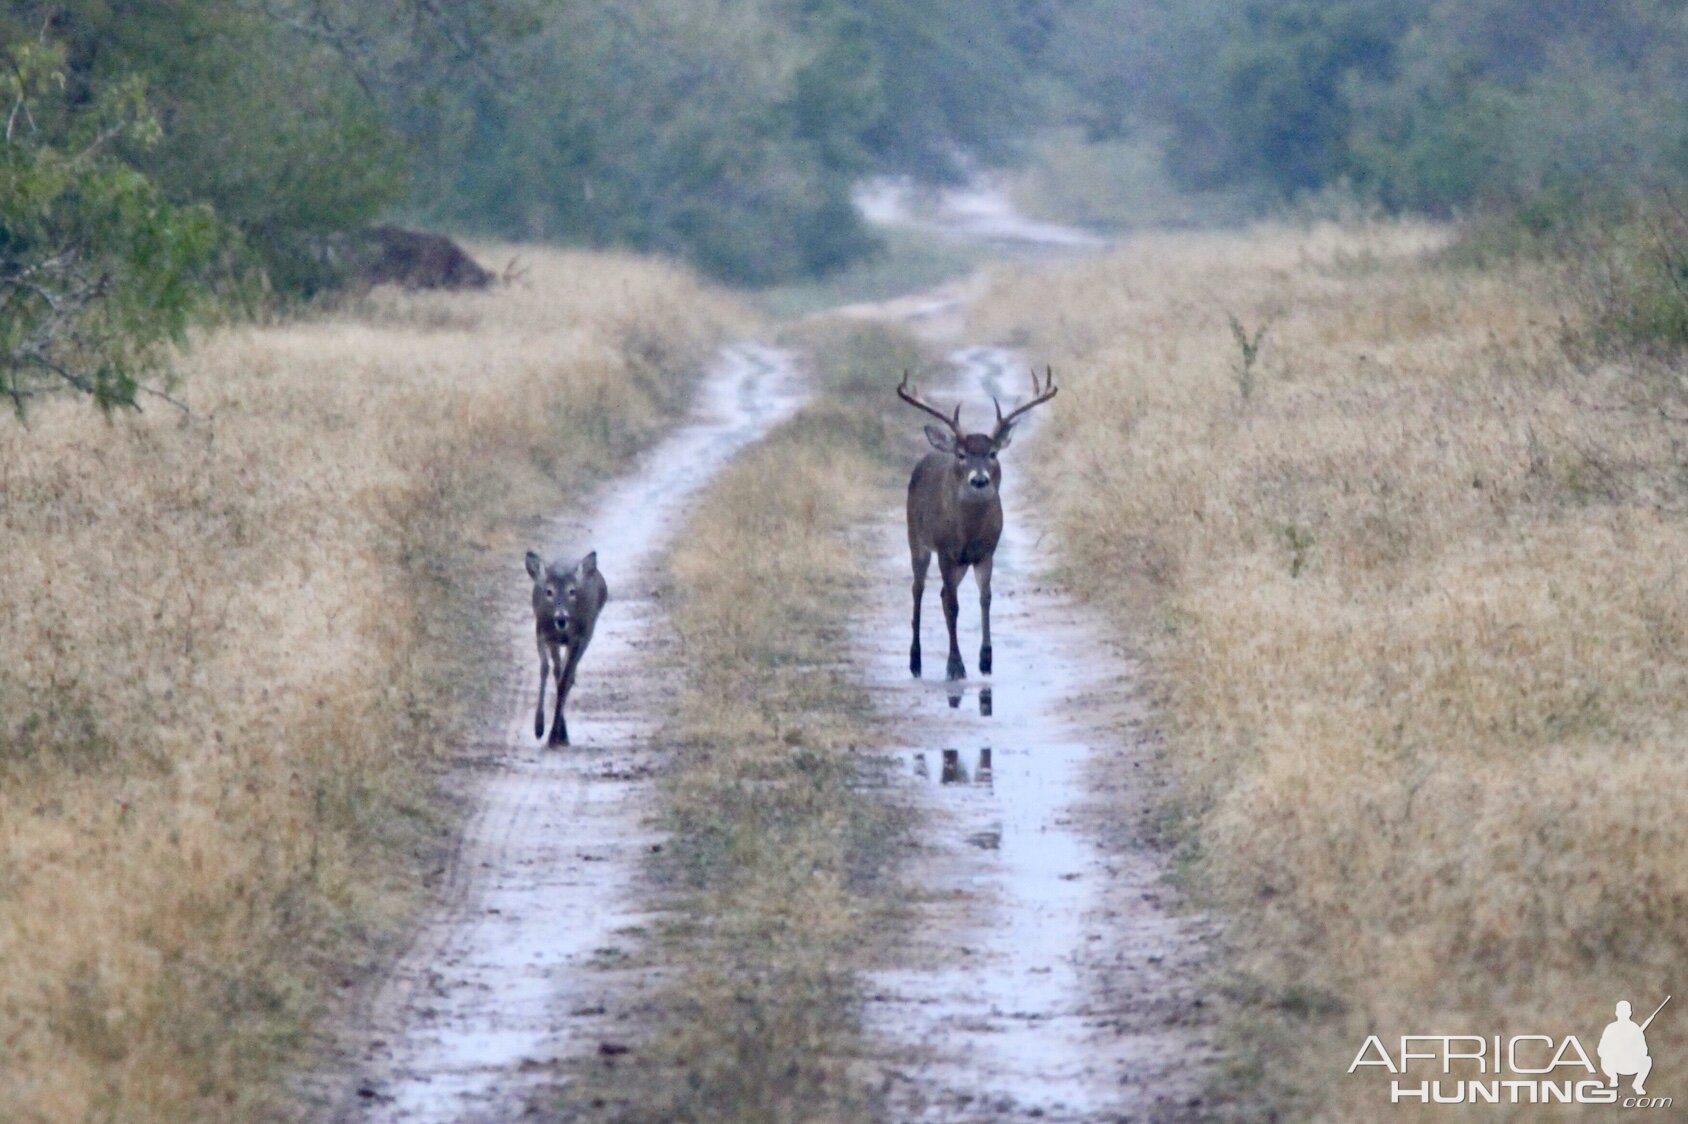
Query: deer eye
550, 595
573, 593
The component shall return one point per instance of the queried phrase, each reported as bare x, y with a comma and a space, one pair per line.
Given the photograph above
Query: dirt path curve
499, 981
1049, 975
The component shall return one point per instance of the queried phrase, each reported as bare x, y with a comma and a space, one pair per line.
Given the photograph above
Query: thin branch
156, 393
98, 143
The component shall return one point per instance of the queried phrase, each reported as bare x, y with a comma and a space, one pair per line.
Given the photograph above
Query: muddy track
502, 979
1050, 974
1049, 971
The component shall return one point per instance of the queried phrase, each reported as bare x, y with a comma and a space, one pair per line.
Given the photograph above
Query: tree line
1435, 106
160, 155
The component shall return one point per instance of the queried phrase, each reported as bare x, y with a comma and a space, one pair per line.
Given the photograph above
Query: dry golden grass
1417, 607
776, 852
238, 647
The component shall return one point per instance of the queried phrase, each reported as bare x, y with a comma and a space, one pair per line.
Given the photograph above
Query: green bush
98, 271
1632, 274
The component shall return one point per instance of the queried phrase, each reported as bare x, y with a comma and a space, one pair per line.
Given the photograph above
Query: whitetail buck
566, 602
955, 511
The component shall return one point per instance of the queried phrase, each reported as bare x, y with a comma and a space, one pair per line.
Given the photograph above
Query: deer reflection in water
956, 770
956, 692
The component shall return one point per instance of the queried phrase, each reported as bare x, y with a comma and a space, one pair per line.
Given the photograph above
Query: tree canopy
1431, 105
157, 154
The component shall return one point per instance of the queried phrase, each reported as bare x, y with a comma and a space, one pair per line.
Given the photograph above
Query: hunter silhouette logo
1520, 1068
1623, 1048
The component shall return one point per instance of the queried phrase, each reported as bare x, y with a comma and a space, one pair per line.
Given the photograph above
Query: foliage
1632, 275
729, 132
1433, 105
726, 132
98, 271
1507, 104
1284, 76
265, 125
953, 78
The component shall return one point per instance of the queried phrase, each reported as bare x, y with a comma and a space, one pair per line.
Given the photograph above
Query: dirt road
546, 879
1049, 976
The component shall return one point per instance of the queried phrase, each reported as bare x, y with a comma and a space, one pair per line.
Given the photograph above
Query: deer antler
1040, 395
912, 397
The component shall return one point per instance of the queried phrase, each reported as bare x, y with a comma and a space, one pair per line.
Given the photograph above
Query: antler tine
912, 397
1040, 395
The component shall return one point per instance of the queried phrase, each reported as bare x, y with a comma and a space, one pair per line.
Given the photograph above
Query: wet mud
1048, 970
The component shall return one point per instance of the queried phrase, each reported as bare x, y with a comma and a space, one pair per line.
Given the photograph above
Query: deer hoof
914, 663
539, 726
985, 660
559, 735
957, 669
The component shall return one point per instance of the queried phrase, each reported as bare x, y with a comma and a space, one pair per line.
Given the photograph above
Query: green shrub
1632, 274
98, 271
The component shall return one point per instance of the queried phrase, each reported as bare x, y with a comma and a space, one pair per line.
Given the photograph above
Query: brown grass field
1409, 582
1416, 609
239, 646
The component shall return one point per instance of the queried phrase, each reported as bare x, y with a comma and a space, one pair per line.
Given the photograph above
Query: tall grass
239, 647
1418, 616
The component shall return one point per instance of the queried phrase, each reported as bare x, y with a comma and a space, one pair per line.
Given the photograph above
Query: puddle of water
546, 874
1003, 784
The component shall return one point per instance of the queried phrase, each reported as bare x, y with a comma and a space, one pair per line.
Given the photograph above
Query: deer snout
979, 480
560, 619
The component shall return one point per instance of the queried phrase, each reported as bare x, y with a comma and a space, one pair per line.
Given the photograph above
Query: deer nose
979, 480
561, 620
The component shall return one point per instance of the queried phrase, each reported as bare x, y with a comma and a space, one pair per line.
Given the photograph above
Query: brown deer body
566, 603
955, 512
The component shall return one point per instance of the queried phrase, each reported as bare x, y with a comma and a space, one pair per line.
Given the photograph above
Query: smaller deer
566, 602
955, 512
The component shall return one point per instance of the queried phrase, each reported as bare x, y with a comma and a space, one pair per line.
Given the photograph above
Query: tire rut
543, 888
1051, 972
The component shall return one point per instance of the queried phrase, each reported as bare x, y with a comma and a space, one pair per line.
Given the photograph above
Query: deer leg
922, 562
952, 609
982, 575
565, 680
558, 730
539, 711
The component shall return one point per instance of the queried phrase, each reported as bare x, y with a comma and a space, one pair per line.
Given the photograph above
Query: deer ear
1005, 438
942, 440
534, 565
589, 565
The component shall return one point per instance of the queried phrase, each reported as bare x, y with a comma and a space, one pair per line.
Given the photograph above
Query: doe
566, 602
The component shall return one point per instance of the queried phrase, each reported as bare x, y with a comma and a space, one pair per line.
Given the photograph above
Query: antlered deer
955, 512
566, 602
